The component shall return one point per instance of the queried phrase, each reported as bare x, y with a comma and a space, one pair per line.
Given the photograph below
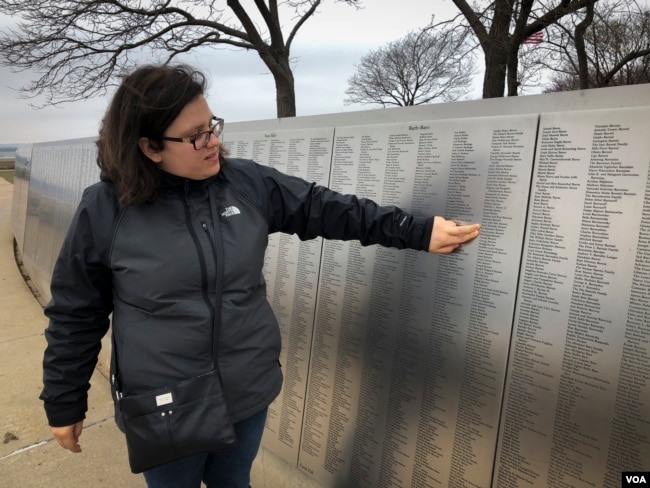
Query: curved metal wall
521, 361
21, 191
58, 174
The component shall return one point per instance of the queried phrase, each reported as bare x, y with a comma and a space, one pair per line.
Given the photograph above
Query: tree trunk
512, 74
277, 60
285, 95
581, 28
496, 55
494, 81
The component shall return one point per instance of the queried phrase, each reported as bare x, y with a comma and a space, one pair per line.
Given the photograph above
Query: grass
7, 174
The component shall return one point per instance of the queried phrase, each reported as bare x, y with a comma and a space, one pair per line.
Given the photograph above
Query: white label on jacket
164, 399
230, 211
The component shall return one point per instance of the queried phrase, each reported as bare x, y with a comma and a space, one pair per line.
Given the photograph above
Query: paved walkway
29, 457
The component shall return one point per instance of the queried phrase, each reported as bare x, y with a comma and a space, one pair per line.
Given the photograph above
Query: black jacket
169, 270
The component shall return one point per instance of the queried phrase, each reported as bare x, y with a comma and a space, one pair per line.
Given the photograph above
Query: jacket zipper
204, 226
199, 250
217, 249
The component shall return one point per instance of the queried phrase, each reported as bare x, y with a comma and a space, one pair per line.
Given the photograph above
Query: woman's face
180, 158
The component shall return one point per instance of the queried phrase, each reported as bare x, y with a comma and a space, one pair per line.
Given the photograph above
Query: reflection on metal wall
21, 191
398, 364
410, 370
59, 173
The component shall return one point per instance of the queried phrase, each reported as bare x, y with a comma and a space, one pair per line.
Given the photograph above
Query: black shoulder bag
170, 423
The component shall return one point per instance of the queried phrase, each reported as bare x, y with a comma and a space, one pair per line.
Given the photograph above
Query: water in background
7, 151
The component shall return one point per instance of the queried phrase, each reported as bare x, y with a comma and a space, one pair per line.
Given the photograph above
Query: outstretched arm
447, 235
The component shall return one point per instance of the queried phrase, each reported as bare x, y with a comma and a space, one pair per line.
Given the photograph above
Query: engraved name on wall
409, 352
576, 408
291, 272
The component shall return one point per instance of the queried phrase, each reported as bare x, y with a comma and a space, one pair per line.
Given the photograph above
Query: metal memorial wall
291, 270
56, 174
577, 404
20, 192
522, 360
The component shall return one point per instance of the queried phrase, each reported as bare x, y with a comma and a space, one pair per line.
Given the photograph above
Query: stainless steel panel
409, 353
59, 172
291, 272
577, 409
22, 169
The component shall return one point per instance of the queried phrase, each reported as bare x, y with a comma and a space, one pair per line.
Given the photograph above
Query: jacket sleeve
310, 210
78, 315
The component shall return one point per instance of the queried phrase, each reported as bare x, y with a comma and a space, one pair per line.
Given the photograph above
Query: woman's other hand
68, 436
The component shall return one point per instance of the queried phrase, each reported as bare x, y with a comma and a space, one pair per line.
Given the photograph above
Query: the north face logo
230, 211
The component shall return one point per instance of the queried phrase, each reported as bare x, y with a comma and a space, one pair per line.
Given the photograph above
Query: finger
461, 230
447, 249
72, 444
467, 237
460, 239
68, 437
76, 432
65, 441
78, 427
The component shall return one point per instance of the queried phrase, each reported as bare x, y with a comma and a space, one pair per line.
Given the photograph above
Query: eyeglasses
200, 140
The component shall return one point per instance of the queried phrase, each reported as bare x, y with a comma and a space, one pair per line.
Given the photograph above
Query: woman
171, 241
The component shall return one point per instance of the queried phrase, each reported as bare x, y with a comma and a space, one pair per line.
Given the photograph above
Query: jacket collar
170, 182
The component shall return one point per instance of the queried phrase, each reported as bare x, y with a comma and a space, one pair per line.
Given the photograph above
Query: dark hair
144, 105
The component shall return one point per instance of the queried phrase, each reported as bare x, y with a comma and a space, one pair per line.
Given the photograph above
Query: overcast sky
241, 88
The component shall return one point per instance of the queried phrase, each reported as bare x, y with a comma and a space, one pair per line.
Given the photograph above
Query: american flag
535, 38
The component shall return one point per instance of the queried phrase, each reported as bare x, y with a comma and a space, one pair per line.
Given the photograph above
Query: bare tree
416, 69
79, 47
502, 26
614, 49
579, 36
563, 81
